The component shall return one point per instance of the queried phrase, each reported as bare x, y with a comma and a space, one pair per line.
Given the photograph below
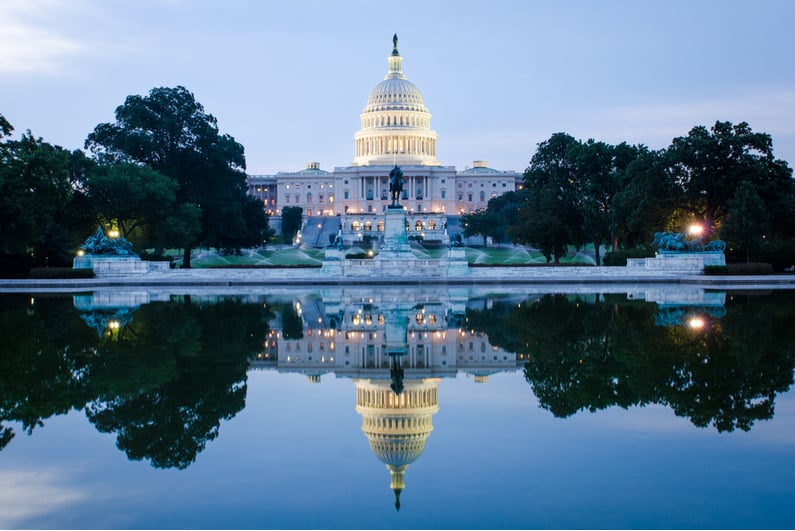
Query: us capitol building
395, 130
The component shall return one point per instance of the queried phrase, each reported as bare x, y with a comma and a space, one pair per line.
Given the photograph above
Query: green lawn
293, 256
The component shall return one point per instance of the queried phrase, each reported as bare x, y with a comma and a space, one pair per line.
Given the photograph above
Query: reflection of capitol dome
396, 125
397, 426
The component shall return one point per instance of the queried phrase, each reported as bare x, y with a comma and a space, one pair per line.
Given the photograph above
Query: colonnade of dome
395, 124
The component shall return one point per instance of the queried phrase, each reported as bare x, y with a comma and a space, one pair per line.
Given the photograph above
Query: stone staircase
317, 231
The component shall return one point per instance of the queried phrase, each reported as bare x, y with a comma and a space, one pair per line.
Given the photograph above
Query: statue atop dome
394, 44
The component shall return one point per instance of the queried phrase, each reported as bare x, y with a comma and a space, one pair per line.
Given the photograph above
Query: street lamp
696, 230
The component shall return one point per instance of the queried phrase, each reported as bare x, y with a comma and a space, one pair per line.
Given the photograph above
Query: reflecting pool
411, 407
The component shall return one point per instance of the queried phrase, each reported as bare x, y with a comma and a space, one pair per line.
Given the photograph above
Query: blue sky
289, 79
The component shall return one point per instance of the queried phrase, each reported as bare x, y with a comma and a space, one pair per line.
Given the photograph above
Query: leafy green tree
291, 222
645, 198
131, 197
598, 186
747, 222
710, 164
481, 223
552, 218
170, 132
43, 211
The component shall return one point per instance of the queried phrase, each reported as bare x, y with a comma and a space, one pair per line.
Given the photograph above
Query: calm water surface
398, 408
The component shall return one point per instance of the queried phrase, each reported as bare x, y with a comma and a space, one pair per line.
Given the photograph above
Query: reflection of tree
292, 324
608, 352
172, 375
42, 366
162, 382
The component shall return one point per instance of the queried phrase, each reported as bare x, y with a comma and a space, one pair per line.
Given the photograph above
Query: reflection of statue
396, 373
395, 184
99, 244
457, 240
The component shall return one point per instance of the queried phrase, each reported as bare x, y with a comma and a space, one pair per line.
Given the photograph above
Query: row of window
483, 185
367, 226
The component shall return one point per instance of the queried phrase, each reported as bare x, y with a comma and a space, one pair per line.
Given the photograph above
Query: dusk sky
288, 80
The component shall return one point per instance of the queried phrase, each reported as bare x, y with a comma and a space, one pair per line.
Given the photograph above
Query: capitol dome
396, 124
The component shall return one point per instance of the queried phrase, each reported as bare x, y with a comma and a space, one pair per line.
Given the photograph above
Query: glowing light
81, 252
695, 229
696, 323
114, 325
113, 233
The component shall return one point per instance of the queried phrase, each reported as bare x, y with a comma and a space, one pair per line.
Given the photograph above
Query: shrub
753, 268
150, 257
60, 272
619, 258
779, 253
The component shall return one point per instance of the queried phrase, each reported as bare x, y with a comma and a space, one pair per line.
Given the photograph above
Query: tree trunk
615, 243
186, 258
596, 249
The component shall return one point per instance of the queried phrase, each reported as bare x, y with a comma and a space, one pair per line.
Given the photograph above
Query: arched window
309, 198
368, 225
432, 225
418, 226
355, 226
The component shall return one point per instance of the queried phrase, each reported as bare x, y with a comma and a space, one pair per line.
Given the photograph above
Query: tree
43, 211
482, 223
552, 218
598, 186
131, 196
170, 132
506, 207
645, 199
291, 222
709, 165
747, 222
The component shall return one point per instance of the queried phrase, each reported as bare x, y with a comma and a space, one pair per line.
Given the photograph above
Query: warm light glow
114, 325
80, 252
370, 253
696, 229
696, 323
113, 233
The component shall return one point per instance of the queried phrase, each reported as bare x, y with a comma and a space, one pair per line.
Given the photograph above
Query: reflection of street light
695, 230
696, 323
113, 233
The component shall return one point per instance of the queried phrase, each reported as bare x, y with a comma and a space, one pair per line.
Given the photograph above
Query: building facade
395, 130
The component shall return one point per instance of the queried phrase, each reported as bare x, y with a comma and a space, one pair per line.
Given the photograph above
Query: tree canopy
170, 132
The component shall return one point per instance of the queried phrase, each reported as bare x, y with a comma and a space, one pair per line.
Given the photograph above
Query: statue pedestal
112, 266
396, 243
457, 261
679, 262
